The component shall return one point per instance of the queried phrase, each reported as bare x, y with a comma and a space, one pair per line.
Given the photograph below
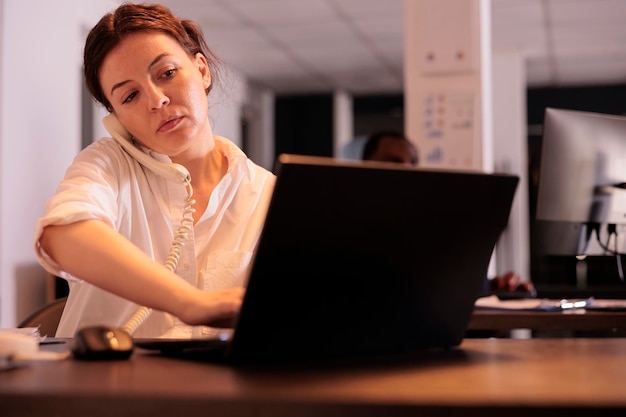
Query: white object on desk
15, 343
21, 345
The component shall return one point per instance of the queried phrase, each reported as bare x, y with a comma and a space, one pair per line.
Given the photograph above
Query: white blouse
106, 183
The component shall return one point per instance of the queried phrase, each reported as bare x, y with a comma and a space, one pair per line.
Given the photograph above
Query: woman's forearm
92, 251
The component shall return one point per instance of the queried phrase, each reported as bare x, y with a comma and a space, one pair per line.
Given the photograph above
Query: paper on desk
492, 302
606, 305
534, 304
19, 346
31, 331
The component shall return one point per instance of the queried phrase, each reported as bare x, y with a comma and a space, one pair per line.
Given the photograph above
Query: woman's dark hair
133, 18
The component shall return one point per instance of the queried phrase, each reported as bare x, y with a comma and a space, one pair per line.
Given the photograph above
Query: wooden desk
484, 377
548, 320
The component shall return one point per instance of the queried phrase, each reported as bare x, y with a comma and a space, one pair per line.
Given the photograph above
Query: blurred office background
305, 76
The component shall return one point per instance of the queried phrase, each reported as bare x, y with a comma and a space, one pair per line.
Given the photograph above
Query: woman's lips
169, 124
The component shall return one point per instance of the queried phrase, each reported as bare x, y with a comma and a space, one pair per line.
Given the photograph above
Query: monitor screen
582, 182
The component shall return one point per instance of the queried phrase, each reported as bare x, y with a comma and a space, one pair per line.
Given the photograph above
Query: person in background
392, 146
118, 229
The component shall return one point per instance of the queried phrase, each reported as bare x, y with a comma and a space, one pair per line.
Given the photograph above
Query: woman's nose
158, 99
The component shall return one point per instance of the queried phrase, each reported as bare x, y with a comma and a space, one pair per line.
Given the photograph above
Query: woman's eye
130, 97
169, 73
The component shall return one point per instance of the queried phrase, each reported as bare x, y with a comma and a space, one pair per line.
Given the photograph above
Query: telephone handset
172, 171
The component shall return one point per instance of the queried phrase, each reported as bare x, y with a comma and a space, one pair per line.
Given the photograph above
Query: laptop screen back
368, 259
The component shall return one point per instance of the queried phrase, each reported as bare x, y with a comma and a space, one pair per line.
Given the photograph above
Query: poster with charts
449, 130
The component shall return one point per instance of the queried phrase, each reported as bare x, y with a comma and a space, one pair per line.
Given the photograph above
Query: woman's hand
216, 308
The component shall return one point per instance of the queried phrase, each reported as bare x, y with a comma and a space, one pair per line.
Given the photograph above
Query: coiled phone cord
186, 225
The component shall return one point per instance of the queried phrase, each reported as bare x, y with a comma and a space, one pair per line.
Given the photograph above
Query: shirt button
185, 267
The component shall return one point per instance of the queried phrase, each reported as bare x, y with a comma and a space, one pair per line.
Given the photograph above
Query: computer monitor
581, 198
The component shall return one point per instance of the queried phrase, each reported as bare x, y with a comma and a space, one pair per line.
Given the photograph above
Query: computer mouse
102, 343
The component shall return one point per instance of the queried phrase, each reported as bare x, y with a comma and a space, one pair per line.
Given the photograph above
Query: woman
122, 232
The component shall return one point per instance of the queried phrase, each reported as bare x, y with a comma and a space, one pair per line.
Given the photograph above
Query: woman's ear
203, 67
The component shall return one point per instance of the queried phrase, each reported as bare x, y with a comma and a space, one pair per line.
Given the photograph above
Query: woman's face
157, 91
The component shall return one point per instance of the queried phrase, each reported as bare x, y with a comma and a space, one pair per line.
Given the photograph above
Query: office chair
46, 318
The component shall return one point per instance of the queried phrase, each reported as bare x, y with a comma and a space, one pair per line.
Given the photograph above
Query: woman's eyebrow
118, 85
157, 59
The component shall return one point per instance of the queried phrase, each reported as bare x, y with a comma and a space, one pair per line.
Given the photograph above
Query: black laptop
363, 259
